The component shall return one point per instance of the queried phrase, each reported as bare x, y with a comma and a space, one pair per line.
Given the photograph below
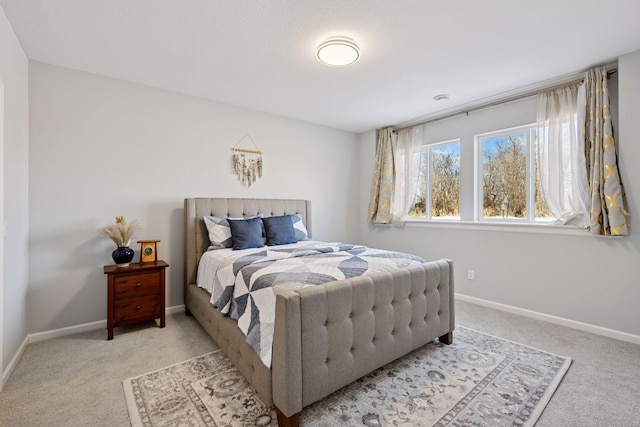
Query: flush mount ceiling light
338, 52
442, 97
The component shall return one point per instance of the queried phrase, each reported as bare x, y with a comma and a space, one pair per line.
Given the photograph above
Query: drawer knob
138, 307
138, 285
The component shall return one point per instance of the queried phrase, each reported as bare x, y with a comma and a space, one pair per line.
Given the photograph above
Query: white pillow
300, 229
219, 232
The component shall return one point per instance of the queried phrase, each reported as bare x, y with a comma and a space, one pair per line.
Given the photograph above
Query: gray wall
572, 276
14, 74
101, 147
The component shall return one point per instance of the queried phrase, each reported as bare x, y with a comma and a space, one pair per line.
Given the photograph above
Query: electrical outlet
471, 275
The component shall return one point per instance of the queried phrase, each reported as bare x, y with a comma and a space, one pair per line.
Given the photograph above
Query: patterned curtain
609, 212
383, 184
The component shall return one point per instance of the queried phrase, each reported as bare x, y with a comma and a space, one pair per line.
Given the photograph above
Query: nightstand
136, 294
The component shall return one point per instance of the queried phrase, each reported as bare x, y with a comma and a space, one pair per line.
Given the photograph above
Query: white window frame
428, 210
530, 218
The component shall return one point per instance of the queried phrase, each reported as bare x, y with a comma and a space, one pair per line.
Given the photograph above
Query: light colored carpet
479, 380
77, 380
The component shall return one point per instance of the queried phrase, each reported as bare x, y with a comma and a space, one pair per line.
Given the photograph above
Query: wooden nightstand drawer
137, 285
134, 308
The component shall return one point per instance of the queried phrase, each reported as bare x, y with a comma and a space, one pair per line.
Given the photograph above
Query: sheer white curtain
561, 155
407, 171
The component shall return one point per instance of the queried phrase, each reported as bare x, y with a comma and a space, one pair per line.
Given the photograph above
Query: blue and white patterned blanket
245, 286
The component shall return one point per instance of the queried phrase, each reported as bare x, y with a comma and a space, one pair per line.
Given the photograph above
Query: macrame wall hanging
247, 162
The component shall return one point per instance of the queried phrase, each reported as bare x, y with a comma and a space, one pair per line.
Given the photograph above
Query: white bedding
210, 261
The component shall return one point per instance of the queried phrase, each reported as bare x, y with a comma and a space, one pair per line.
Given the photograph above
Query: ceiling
261, 54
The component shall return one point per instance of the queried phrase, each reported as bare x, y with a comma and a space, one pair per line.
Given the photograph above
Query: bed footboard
336, 333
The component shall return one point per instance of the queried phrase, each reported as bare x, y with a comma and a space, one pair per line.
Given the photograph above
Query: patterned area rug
479, 380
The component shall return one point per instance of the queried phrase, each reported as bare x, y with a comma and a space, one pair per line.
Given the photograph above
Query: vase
122, 256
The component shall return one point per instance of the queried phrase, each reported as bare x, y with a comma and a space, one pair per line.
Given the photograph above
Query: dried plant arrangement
247, 166
247, 163
121, 232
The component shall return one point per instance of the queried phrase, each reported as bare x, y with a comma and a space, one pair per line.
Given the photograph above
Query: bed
326, 336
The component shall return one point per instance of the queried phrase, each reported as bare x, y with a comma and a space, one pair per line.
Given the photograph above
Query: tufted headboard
196, 238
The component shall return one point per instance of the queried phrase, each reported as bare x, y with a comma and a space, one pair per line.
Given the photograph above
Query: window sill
501, 227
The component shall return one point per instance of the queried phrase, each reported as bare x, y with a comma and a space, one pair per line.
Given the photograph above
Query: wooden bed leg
292, 421
446, 338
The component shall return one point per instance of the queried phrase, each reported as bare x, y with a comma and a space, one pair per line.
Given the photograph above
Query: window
438, 192
490, 172
508, 184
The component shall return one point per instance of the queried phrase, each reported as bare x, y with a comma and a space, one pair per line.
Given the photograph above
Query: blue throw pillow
279, 230
246, 233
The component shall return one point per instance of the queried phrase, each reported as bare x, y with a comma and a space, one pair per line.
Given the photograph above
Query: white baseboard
574, 324
55, 333
14, 361
70, 330
175, 309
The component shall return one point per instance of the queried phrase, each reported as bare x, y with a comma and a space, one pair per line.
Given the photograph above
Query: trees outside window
439, 181
506, 185
504, 171
508, 177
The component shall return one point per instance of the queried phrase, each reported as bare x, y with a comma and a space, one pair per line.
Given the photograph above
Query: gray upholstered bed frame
325, 336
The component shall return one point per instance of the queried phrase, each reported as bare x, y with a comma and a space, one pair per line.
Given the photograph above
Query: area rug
479, 380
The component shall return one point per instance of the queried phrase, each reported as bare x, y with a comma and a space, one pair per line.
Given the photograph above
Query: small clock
148, 251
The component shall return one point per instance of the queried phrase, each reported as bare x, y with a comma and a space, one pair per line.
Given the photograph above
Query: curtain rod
611, 69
